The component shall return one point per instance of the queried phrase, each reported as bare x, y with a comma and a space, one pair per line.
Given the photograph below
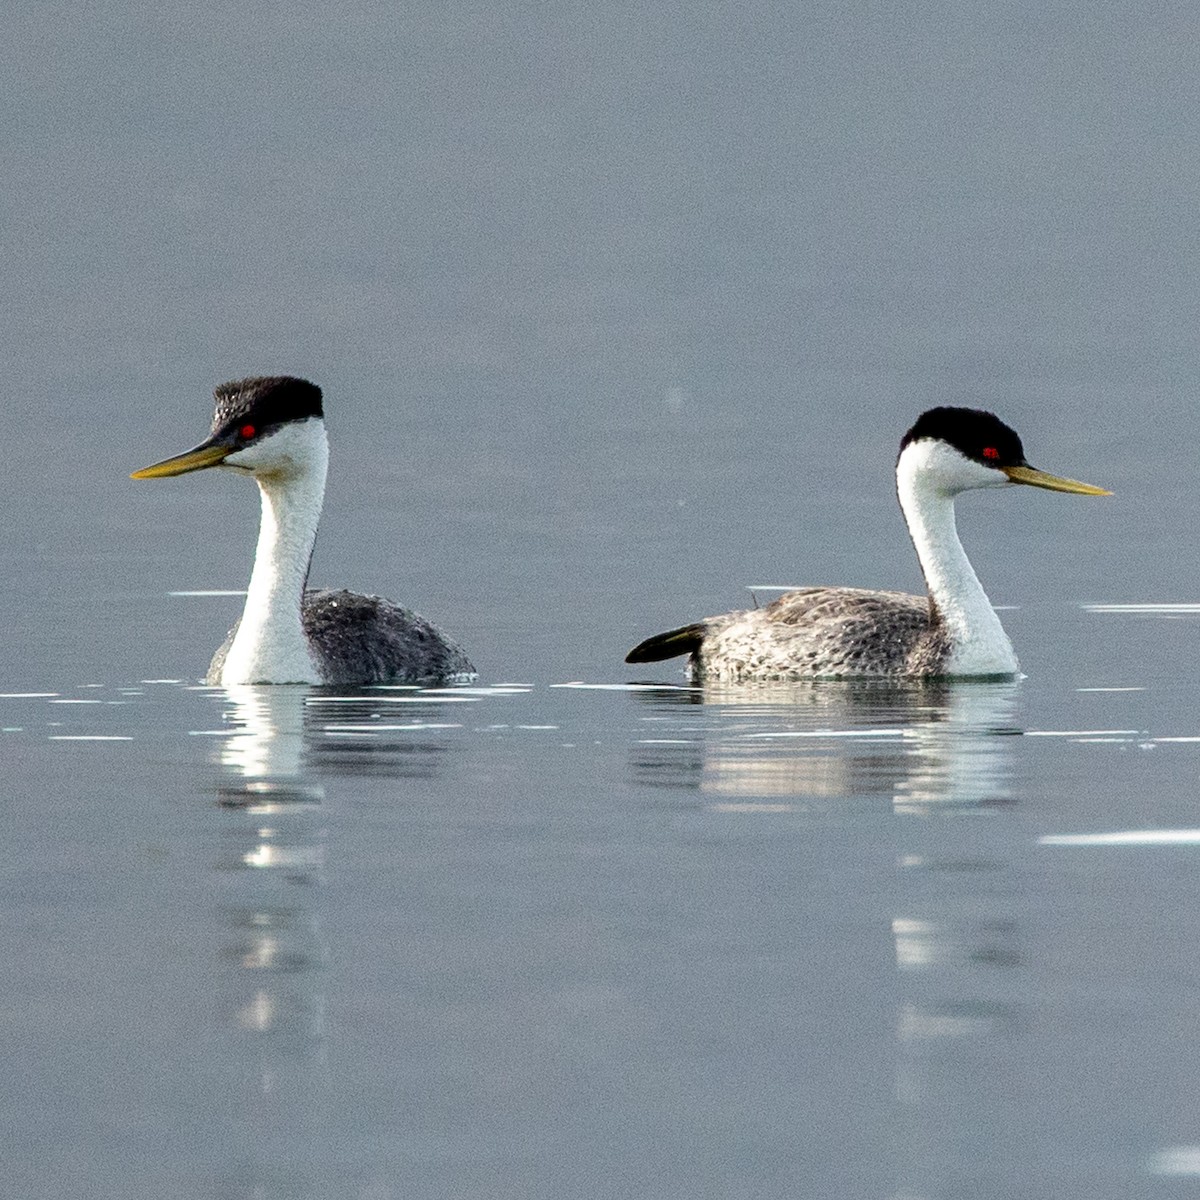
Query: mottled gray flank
359, 639
829, 632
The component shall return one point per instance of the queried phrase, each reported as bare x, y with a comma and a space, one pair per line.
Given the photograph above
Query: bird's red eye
248, 431
990, 452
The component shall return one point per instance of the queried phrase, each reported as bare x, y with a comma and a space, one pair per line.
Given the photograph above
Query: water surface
599, 940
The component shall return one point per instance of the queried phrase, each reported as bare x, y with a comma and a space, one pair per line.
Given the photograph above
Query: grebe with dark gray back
272, 428
837, 632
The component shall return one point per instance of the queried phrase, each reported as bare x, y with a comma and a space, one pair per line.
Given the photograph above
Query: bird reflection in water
919, 745
957, 935
929, 759
274, 950
287, 742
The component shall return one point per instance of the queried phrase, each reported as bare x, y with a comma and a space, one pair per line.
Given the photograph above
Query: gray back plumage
358, 639
825, 631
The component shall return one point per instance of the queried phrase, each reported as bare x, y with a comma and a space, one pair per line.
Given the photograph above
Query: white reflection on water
916, 943
916, 1024
912, 753
267, 855
274, 954
921, 746
1145, 610
280, 747
1175, 1160
1128, 837
966, 757
952, 1009
1082, 733
269, 742
88, 737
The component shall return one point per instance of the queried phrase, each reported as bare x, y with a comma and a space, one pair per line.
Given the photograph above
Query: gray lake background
618, 310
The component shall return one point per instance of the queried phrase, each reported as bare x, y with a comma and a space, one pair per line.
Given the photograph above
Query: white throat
289, 467
928, 476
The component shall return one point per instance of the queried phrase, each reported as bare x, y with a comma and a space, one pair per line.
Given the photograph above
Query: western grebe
836, 632
273, 429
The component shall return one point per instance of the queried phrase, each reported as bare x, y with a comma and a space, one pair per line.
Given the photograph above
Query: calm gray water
571, 940
619, 311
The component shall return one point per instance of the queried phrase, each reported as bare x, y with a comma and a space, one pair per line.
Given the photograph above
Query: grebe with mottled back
838, 632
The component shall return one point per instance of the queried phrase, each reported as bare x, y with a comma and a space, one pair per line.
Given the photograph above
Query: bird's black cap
265, 402
979, 435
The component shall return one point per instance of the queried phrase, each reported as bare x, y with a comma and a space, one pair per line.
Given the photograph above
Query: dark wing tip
685, 640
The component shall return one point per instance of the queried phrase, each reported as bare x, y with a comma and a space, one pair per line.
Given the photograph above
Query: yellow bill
1055, 483
206, 455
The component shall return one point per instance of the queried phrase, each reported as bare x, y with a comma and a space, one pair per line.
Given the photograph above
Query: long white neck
270, 646
979, 644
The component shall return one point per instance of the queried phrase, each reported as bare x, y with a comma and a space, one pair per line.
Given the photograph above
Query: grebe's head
952, 450
265, 426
